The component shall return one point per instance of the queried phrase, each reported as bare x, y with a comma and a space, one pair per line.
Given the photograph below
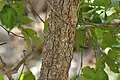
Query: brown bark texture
59, 40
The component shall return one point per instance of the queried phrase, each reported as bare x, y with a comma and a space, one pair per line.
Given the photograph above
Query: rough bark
59, 40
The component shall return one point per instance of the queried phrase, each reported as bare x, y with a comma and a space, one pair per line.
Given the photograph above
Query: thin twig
3, 63
5, 69
22, 70
16, 35
4, 28
15, 69
95, 54
3, 43
10, 32
23, 65
25, 61
91, 25
118, 38
35, 11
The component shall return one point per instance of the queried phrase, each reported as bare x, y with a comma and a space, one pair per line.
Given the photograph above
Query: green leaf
19, 7
79, 38
109, 40
94, 38
46, 24
118, 78
99, 32
85, 7
111, 17
31, 38
1, 4
104, 3
113, 65
27, 75
28, 40
113, 54
116, 5
101, 75
100, 63
96, 19
105, 17
92, 74
25, 20
84, 78
116, 49
1, 77
36, 41
8, 17
74, 77
30, 32
88, 72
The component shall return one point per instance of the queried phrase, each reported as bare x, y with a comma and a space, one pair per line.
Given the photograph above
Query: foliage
92, 18
1, 77
27, 75
12, 15
95, 74
30, 36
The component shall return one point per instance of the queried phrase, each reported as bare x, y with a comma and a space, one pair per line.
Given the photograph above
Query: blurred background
13, 51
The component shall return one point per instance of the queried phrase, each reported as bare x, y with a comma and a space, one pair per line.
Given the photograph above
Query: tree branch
34, 10
10, 32
5, 69
3, 43
91, 25
15, 69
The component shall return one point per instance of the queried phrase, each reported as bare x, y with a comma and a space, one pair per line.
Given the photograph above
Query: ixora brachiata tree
71, 23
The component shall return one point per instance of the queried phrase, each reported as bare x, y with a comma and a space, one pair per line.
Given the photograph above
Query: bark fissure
59, 41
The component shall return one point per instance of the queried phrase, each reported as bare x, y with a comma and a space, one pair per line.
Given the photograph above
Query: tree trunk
59, 40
